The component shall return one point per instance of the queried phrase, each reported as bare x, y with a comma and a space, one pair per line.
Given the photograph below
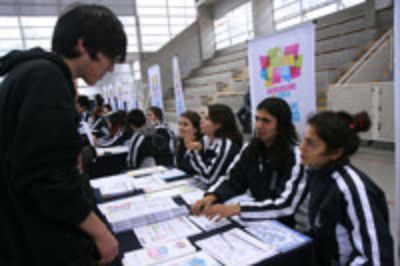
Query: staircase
341, 38
222, 79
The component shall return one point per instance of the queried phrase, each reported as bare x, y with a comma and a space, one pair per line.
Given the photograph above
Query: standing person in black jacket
347, 211
220, 143
47, 213
269, 167
189, 135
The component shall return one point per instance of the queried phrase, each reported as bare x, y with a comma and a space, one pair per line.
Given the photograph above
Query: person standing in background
47, 213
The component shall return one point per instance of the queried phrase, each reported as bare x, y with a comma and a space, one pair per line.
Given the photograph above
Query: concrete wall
223, 7
187, 46
263, 17
205, 21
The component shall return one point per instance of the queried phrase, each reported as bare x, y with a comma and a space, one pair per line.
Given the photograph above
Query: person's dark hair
84, 102
195, 119
117, 120
99, 28
99, 100
223, 115
280, 153
157, 112
108, 106
339, 130
136, 118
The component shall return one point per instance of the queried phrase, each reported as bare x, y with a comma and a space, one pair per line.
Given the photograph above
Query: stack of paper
137, 211
154, 255
192, 196
113, 185
206, 224
112, 150
170, 174
235, 247
172, 190
276, 234
147, 171
165, 231
197, 259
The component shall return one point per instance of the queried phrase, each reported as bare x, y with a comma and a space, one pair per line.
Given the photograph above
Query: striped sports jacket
277, 193
212, 160
349, 217
140, 148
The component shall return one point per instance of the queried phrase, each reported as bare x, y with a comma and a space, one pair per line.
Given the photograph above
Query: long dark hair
280, 153
340, 130
223, 115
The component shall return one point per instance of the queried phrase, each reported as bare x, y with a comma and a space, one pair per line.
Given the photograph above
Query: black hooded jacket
43, 197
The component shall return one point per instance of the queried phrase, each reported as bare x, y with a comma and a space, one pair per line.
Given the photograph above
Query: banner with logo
283, 65
179, 97
396, 72
155, 87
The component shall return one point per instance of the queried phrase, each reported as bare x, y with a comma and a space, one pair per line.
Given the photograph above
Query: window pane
288, 23
321, 12
141, 3
10, 45
127, 20
10, 33
349, 3
152, 11
154, 20
287, 11
236, 26
8, 21
155, 29
38, 33
38, 21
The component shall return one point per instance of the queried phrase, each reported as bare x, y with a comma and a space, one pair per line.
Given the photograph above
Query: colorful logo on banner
281, 65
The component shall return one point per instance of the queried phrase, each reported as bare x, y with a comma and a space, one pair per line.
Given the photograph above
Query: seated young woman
347, 211
268, 168
189, 136
221, 142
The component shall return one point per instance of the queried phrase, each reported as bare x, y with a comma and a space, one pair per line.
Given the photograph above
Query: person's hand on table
219, 211
203, 205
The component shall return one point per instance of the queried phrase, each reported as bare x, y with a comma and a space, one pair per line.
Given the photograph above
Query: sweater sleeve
209, 173
283, 205
367, 212
47, 144
235, 182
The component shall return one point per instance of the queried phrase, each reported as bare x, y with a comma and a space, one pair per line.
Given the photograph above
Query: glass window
10, 33
38, 33
291, 12
235, 27
9, 21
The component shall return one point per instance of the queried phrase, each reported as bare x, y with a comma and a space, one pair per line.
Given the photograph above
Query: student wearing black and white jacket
269, 168
347, 210
221, 142
141, 151
189, 131
166, 134
120, 132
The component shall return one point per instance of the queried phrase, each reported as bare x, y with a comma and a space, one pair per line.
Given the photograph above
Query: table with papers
159, 230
